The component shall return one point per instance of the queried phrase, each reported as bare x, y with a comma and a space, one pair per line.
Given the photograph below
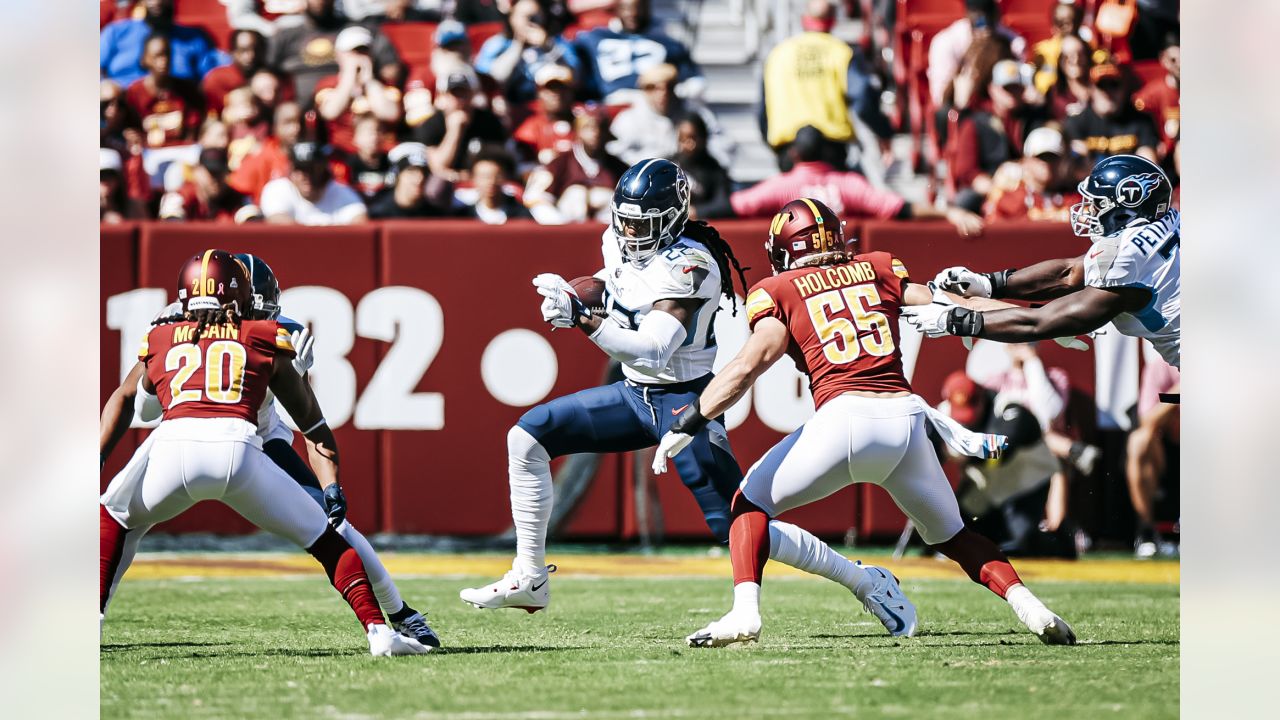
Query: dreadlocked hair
202, 318
702, 232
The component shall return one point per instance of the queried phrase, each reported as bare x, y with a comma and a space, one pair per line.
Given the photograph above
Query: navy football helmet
1121, 189
266, 289
650, 208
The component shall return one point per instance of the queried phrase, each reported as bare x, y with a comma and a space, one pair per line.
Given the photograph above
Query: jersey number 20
186, 359
838, 336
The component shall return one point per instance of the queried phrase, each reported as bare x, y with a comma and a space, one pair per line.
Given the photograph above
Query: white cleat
883, 597
735, 627
385, 642
530, 593
1043, 622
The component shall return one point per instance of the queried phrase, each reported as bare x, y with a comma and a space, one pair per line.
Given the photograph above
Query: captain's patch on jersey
758, 303
898, 268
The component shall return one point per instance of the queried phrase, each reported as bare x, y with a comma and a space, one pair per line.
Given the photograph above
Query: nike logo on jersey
680, 409
689, 268
1095, 253
536, 588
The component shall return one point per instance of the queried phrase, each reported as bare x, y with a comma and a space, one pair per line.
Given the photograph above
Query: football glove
931, 319
335, 505
560, 306
964, 282
303, 345
670, 446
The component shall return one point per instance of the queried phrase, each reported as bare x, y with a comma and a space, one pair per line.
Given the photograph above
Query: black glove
335, 505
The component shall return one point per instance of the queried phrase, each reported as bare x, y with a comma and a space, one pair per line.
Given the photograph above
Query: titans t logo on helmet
1133, 190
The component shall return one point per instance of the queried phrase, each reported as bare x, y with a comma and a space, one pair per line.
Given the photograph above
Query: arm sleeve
646, 349
147, 403
1042, 395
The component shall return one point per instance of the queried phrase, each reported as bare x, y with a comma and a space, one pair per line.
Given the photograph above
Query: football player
664, 276
1131, 276
277, 443
212, 367
836, 314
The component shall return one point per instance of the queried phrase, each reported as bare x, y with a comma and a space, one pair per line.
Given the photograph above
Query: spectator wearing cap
1109, 124
1159, 98
849, 194
451, 53
406, 195
549, 130
817, 79
355, 91
309, 195
529, 41
947, 49
1041, 185
247, 57
123, 42
1072, 85
648, 128
306, 50
168, 108
114, 203
458, 128
578, 185
204, 194
1014, 103
488, 199
615, 55
1066, 18
709, 183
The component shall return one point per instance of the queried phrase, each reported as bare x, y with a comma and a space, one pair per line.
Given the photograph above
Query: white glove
963, 282
1072, 343
670, 446
303, 345
930, 319
558, 305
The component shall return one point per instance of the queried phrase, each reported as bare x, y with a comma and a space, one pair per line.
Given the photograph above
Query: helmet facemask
1086, 215
264, 309
641, 234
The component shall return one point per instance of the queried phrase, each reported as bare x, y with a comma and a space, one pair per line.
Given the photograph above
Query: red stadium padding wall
430, 346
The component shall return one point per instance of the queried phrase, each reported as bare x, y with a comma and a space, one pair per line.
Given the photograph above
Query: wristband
691, 421
964, 322
999, 280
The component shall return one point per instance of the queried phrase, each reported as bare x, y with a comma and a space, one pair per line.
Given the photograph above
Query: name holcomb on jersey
1144, 256
683, 269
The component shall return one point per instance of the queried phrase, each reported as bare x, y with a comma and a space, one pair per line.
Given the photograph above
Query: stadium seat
1029, 18
208, 14
479, 32
918, 22
414, 41
1144, 71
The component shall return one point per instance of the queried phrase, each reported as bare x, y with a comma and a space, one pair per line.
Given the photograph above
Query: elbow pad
646, 349
147, 405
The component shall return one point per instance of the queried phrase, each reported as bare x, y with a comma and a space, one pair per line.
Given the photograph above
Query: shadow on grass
486, 649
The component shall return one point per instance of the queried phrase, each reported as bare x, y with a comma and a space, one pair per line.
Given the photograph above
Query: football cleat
1043, 622
385, 642
883, 597
415, 626
530, 593
735, 627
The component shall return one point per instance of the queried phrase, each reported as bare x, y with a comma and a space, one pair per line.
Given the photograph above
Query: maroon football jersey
224, 374
843, 322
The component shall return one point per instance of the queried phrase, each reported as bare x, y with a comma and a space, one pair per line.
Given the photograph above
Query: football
591, 292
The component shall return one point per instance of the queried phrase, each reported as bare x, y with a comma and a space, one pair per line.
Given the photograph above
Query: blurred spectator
1019, 500
452, 53
247, 57
370, 167
1159, 98
204, 195
1157, 433
122, 44
529, 41
480, 11
264, 16
1013, 103
405, 197
309, 195
119, 134
1069, 94
973, 142
1109, 124
849, 194
1156, 20
398, 11
1066, 19
354, 91
248, 124
114, 203
816, 79
632, 43
709, 183
549, 130
577, 185
647, 129
213, 134
169, 108
306, 50
270, 90
948, 48
271, 161
488, 199
458, 129
1041, 185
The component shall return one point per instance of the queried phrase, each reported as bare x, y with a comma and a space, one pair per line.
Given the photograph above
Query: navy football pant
625, 416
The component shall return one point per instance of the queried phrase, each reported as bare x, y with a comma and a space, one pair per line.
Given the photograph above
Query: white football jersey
683, 269
1145, 256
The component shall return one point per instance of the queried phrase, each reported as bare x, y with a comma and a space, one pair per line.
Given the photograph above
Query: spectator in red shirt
114, 203
170, 109
248, 124
577, 185
1159, 98
246, 59
271, 161
847, 193
973, 141
355, 90
1069, 93
1039, 186
118, 132
205, 194
549, 130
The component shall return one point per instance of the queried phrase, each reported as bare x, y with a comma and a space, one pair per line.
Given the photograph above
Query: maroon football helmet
212, 279
801, 228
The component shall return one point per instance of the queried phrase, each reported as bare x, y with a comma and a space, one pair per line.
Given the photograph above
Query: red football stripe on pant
346, 574
748, 540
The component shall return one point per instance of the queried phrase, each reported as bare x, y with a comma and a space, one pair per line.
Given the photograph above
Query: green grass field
613, 648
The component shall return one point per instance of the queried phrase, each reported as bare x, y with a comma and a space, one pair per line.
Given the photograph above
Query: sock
981, 560
746, 597
1021, 599
748, 541
529, 469
111, 536
384, 588
797, 547
346, 574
